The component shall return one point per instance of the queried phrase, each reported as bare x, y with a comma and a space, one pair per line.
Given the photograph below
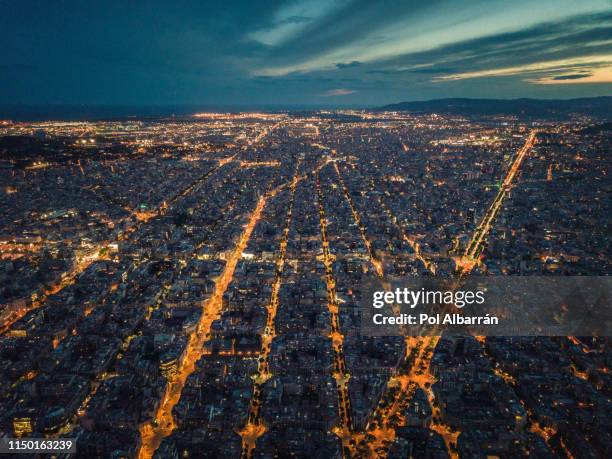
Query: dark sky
348, 52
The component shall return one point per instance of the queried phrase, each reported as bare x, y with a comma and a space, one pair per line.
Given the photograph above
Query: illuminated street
341, 375
254, 427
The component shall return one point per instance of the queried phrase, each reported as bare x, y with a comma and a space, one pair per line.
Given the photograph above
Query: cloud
338, 92
596, 75
363, 31
511, 63
290, 19
535, 67
573, 76
294, 20
348, 65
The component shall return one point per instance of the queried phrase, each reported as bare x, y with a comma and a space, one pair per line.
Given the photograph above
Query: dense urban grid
189, 286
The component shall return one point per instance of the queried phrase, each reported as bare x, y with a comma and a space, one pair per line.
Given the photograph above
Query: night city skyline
305, 229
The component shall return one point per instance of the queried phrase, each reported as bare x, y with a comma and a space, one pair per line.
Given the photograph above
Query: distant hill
550, 108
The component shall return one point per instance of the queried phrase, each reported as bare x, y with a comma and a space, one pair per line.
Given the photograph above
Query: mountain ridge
600, 106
